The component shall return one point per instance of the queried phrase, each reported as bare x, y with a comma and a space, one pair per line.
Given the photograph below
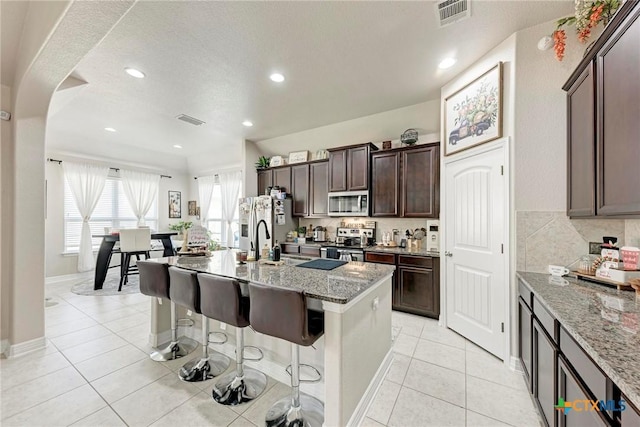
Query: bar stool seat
283, 313
154, 282
185, 291
221, 299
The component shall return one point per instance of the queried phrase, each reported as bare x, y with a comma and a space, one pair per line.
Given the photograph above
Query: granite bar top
339, 285
403, 251
604, 321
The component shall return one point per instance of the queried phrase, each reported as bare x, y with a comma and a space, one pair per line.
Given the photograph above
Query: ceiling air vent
450, 11
189, 119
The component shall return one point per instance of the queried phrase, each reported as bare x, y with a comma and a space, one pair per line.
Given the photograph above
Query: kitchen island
355, 351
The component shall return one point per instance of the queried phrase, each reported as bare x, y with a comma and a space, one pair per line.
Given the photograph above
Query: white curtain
86, 183
205, 194
141, 189
230, 183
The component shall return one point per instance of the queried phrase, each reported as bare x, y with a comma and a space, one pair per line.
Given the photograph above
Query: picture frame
192, 207
473, 114
298, 156
175, 204
277, 161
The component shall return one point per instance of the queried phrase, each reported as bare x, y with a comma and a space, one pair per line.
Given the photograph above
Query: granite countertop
403, 251
339, 285
604, 321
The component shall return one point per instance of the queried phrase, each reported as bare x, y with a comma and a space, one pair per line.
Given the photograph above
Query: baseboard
68, 278
363, 406
23, 348
515, 365
4, 348
157, 339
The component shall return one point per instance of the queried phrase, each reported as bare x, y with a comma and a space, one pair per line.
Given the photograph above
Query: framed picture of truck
473, 114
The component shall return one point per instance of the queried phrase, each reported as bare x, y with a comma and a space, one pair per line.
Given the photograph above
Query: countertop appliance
349, 203
350, 244
432, 238
319, 235
275, 212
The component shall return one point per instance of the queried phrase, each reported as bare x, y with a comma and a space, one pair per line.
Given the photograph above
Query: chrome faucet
266, 230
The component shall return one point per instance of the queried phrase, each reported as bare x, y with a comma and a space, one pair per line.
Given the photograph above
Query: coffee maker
433, 235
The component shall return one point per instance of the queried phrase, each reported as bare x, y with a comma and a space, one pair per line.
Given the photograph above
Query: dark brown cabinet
282, 178
318, 189
570, 389
310, 250
300, 189
630, 416
544, 386
349, 167
525, 340
416, 282
385, 184
405, 182
603, 106
265, 180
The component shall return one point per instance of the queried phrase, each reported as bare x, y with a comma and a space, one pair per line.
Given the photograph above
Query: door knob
447, 253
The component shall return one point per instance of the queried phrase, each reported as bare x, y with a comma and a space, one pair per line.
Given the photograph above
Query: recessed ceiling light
446, 63
134, 73
277, 77
247, 123
177, 146
110, 129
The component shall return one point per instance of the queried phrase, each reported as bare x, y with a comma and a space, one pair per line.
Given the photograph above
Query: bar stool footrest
224, 340
317, 379
185, 322
253, 359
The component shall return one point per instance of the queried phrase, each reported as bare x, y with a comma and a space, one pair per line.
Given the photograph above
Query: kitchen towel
322, 264
332, 253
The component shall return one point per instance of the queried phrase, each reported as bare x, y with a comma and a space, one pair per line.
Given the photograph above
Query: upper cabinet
300, 189
349, 167
318, 189
265, 180
405, 182
603, 106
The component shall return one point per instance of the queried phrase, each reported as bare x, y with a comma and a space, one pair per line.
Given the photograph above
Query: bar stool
185, 291
154, 282
133, 241
283, 313
221, 299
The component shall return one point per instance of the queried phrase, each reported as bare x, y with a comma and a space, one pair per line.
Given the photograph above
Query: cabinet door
525, 340
358, 168
300, 189
338, 170
418, 291
570, 390
618, 121
420, 183
385, 185
544, 373
319, 189
265, 179
581, 133
282, 177
630, 416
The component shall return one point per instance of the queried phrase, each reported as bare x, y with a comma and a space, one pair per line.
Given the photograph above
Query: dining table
109, 241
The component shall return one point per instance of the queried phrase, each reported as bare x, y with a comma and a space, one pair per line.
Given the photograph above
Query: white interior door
475, 282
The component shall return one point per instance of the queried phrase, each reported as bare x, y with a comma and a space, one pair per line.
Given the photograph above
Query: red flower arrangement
588, 15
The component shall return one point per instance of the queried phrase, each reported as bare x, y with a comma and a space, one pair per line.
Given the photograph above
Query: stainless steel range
350, 244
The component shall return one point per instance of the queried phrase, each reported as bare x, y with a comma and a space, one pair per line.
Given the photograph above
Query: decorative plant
180, 226
587, 16
263, 162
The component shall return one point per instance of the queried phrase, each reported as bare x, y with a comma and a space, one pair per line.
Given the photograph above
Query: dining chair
133, 241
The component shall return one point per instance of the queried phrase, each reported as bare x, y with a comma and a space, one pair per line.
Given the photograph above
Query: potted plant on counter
180, 227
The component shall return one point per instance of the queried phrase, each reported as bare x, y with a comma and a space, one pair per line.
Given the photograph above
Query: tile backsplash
544, 238
383, 225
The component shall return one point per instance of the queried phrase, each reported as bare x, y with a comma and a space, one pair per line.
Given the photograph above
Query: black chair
221, 299
283, 313
185, 291
154, 282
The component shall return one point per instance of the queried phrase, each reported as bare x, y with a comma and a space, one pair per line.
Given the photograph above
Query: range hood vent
190, 120
450, 11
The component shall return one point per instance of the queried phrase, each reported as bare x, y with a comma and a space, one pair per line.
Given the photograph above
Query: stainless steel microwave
349, 203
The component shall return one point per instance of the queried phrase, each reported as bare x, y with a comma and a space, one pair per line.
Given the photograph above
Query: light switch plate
594, 248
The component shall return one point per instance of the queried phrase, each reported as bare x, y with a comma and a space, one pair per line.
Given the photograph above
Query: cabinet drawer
593, 378
380, 258
415, 261
310, 250
290, 249
545, 318
525, 293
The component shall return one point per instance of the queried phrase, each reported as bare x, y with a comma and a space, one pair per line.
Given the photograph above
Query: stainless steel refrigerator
275, 212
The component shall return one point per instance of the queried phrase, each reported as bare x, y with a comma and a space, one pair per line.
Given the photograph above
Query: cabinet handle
447, 253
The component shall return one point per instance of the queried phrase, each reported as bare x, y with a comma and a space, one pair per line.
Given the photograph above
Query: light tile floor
95, 372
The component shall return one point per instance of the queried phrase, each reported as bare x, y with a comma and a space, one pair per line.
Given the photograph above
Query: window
112, 211
214, 223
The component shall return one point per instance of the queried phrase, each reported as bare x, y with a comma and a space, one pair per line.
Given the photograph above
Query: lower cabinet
525, 340
570, 389
544, 365
416, 282
310, 250
290, 248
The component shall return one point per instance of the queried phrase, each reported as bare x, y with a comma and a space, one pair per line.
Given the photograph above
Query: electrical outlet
594, 248
223, 326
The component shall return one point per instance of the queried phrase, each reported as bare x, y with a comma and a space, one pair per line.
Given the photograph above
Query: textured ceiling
211, 60
12, 14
